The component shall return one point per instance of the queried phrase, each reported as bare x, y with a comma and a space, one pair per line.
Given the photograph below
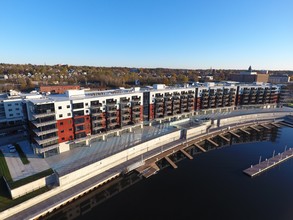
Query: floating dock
268, 163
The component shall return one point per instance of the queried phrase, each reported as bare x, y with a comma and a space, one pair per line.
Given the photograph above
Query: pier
286, 124
171, 162
224, 138
265, 126
212, 142
186, 154
236, 135
199, 147
254, 128
246, 132
276, 125
268, 163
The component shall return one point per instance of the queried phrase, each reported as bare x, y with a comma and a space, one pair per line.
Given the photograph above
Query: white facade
63, 110
13, 108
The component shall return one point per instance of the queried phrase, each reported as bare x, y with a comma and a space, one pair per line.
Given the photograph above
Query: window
60, 116
70, 129
77, 105
17, 109
17, 113
62, 131
86, 111
68, 106
9, 104
78, 113
68, 114
59, 107
63, 139
78, 120
10, 110
10, 115
70, 137
15, 103
61, 123
86, 104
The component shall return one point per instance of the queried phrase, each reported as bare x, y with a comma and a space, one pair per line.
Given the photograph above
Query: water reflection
84, 205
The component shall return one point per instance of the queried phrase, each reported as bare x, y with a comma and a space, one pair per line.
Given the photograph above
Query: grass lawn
4, 171
5, 200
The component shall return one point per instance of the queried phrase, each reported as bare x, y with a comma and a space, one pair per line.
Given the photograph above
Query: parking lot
16, 168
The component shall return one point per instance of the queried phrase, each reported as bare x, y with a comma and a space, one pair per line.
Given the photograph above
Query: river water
212, 186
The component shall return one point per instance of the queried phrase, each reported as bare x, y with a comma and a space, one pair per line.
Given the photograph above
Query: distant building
250, 76
58, 89
279, 78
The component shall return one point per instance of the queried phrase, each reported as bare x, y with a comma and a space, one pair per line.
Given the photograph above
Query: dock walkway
268, 163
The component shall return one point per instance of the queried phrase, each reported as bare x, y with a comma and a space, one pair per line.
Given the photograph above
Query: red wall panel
65, 130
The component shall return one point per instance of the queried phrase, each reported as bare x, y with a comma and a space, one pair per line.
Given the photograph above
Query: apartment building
55, 121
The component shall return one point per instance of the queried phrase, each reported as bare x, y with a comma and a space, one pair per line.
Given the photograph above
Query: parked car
11, 148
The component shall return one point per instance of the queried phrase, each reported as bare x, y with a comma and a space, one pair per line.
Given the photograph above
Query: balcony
41, 124
39, 133
96, 105
111, 110
42, 115
159, 100
123, 101
168, 101
98, 127
135, 99
125, 119
136, 115
43, 141
100, 119
96, 113
111, 103
159, 96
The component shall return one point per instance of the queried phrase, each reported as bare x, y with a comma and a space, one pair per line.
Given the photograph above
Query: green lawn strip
18, 183
4, 171
5, 200
21, 154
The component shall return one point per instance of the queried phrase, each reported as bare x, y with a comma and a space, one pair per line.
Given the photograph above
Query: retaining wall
114, 160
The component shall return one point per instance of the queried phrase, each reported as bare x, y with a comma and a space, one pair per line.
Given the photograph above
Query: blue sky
222, 34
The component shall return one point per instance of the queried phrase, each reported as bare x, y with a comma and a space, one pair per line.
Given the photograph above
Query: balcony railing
41, 124
43, 141
43, 115
39, 133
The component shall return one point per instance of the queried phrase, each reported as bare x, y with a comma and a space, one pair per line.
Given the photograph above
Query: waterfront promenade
54, 198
